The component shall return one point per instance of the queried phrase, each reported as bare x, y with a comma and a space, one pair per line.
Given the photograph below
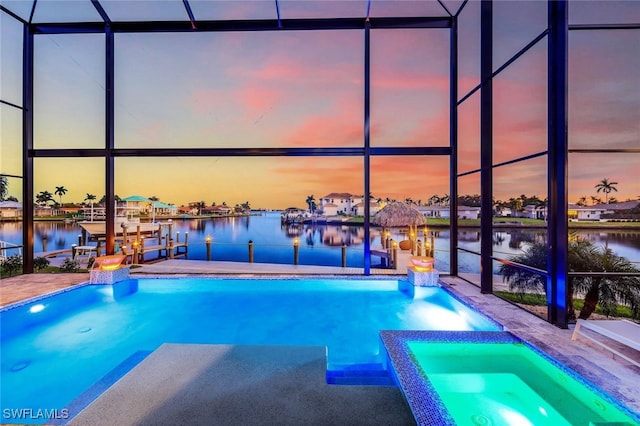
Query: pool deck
616, 376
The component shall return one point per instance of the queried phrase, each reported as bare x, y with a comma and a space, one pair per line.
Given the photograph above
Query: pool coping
282, 276
426, 406
40, 297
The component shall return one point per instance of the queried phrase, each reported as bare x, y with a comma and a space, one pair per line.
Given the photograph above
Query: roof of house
137, 199
10, 205
627, 205
339, 195
161, 205
361, 204
443, 208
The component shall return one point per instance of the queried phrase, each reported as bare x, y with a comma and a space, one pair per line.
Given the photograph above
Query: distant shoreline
431, 223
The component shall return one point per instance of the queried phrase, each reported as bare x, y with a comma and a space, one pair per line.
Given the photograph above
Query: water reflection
230, 237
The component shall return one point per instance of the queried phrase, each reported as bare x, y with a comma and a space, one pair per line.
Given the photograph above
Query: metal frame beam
453, 143
110, 138
486, 146
557, 225
244, 25
367, 148
236, 152
27, 146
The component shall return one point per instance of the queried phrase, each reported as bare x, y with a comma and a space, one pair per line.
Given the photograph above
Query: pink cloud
342, 126
256, 99
323, 131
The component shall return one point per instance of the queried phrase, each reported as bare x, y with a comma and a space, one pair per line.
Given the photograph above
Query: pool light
36, 308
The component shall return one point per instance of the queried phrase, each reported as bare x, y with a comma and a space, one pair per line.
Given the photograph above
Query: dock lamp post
208, 244
296, 250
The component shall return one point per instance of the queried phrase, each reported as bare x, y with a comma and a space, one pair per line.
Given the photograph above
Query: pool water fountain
109, 269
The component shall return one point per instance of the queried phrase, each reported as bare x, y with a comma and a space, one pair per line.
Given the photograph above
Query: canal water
320, 244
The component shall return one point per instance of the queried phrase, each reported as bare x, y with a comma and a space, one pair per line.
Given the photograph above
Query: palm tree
91, 198
582, 201
606, 187
595, 200
4, 187
44, 197
515, 204
583, 256
60, 191
311, 202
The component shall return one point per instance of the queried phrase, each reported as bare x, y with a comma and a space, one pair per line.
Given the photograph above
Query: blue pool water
55, 348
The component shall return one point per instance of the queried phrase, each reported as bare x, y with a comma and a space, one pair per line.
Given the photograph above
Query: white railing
6, 247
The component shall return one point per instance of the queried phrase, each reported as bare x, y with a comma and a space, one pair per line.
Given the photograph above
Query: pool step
361, 374
99, 387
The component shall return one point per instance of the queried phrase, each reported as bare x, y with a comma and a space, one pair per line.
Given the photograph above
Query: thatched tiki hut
397, 214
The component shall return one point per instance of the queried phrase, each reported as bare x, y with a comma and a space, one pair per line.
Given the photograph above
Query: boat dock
134, 245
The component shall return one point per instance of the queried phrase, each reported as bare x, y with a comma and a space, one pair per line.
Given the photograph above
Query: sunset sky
305, 89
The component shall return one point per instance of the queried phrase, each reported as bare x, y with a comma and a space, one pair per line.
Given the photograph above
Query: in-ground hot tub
493, 378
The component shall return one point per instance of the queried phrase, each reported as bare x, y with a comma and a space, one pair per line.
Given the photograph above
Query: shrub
69, 265
11, 265
40, 263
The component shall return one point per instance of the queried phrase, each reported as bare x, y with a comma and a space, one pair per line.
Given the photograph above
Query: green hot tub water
509, 384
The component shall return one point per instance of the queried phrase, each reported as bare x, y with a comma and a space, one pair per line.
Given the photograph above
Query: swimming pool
55, 348
495, 379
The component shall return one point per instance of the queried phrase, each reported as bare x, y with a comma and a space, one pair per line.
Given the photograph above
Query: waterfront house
216, 210
164, 209
532, 211
502, 211
468, 212
71, 210
10, 210
435, 211
187, 210
45, 211
605, 212
464, 212
337, 203
137, 204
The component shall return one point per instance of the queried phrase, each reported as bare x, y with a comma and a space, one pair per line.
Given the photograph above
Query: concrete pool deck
614, 375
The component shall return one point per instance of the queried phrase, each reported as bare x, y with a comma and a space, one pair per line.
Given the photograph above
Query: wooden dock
135, 246
165, 247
